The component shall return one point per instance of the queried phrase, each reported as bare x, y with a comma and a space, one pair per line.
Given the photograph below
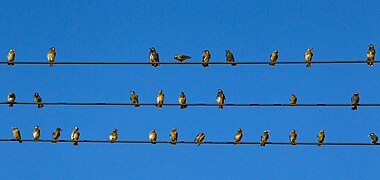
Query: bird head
219, 91
37, 127
356, 93
115, 130
309, 49
13, 127
293, 95
35, 93
52, 48
154, 130
206, 51
240, 129
293, 131
76, 128
160, 91
266, 131
12, 50
370, 45
371, 134
174, 129
322, 131
227, 51
175, 56
276, 51
152, 49
182, 93
132, 92
59, 129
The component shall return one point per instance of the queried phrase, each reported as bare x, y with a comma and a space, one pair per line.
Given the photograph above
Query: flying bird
36, 133
160, 99
113, 135
16, 134
293, 100
321, 137
11, 99
370, 55
238, 136
199, 138
273, 58
173, 136
134, 99
51, 56
56, 134
153, 57
308, 57
181, 57
11, 57
374, 138
205, 58
38, 99
264, 138
220, 98
293, 137
230, 58
75, 136
355, 101
182, 100
152, 136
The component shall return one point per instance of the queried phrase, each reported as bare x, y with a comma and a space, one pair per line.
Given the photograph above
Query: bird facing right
238, 136
56, 134
308, 57
51, 56
75, 136
36, 133
370, 55
16, 134
230, 58
11, 57
113, 135
321, 137
293, 100
173, 136
264, 138
355, 101
205, 58
11, 99
134, 99
199, 138
273, 58
293, 137
374, 138
152, 136
38, 99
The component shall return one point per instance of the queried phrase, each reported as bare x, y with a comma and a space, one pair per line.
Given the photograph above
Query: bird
38, 99
308, 57
181, 57
153, 57
355, 101
182, 100
173, 136
370, 55
273, 58
264, 138
16, 134
199, 138
134, 99
75, 136
56, 134
11, 99
230, 58
152, 136
293, 100
36, 133
374, 138
220, 98
205, 58
238, 136
160, 99
51, 56
321, 137
293, 137
113, 135
11, 57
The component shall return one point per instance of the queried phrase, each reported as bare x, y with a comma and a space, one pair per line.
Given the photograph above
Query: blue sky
124, 30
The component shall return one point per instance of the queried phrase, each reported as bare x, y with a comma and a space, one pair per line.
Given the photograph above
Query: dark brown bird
134, 99
321, 137
374, 138
160, 99
16, 134
38, 99
51, 56
152, 136
293, 137
230, 58
153, 57
173, 136
11, 99
264, 138
273, 58
36, 133
205, 58
11, 57
355, 101
75, 136
308, 57
181, 57
238, 136
199, 138
56, 134
182, 100
370, 55
113, 135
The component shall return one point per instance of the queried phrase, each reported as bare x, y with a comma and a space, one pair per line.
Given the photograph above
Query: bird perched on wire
230, 58
173, 136
160, 99
38, 100
321, 137
220, 98
56, 134
113, 135
36, 133
199, 138
293, 100
75, 136
355, 101
134, 99
153, 57
181, 57
374, 138
153, 136
51, 56
264, 138
16, 134
370, 55
293, 137
205, 58
11, 99
273, 58
182, 100
11, 57
308, 57
238, 136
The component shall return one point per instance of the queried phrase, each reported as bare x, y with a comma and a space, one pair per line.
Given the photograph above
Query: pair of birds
220, 98
55, 136
37, 99
308, 56
50, 56
264, 137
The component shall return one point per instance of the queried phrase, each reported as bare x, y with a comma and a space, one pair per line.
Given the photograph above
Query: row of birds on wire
173, 135
206, 56
134, 98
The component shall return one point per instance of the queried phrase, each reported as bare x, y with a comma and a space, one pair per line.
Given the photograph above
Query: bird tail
319, 144
199, 144
354, 108
220, 106
137, 105
205, 65
293, 143
233, 64
308, 64
271, 63
153, 142
51, 64
262, 143
183, 106
35, 139
20, 141
11, 64
159, 105
155, 64
40, 105
370, 62
54, 141
11, 105
173, 143
75, 143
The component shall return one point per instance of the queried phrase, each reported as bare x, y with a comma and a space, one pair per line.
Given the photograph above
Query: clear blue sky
124, 30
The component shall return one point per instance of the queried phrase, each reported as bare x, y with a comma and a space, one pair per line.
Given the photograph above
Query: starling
238, 136
134, 99
355, 101
181, 57
11, 99
199, 138
56, 134
113, 135
370, 55
16, 134
75, 136
293, 100
173, 136
205, 58
220, 98
293, 137
264, 138
152, 136
11, 57
36, 133
374, 138
230, 58
321, 137
182, 100
308, 57
51, 56
273, 58
153, 57
159, 99
38, 99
